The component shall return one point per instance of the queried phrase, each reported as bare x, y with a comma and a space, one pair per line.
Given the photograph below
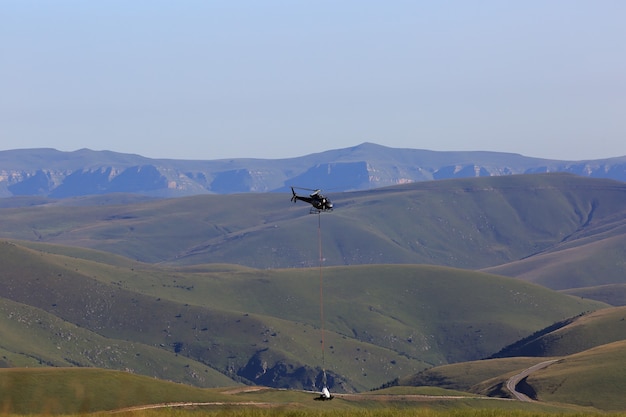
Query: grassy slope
79, 390
466, 223
591, 371
585, 332
382, 321
591, 378
467, 376
151, 231
209, 331
594, 377
592, 263
470, 223
611, 294
32, 337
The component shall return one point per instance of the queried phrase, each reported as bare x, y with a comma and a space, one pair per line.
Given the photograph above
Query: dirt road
512, 382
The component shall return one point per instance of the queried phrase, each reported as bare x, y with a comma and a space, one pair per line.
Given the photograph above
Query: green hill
467, 223
591, 263
261, 326
31, 337
593, 378
590, 371
79, 391
466, 376
223, 290
584, 332
611, 294
49, 391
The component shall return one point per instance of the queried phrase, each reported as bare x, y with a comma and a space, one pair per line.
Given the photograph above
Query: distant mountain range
57, 174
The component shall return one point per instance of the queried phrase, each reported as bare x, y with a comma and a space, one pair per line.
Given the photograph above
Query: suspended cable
320, 204
319, 238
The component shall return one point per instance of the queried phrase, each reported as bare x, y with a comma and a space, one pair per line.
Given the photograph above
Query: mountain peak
49, 172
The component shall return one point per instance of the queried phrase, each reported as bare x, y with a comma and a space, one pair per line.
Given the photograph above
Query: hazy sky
273, 79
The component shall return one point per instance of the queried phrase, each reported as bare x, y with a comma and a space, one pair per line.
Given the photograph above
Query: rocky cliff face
51, 173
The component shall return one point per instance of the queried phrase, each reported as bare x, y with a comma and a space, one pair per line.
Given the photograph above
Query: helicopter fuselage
317, 200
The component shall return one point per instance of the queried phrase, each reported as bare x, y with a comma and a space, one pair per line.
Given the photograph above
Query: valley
455, 284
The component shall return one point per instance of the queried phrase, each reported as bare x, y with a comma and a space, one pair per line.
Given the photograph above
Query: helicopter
316, 199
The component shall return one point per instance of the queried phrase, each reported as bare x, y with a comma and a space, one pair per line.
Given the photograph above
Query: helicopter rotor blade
306, 189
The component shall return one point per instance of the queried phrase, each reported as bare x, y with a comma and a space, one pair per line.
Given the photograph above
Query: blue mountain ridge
57, 174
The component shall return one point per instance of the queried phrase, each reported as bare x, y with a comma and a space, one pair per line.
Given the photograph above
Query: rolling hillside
471, 376
80, 390
590, 371
582, 262
611, 294
592, 378
258, 326
585, 332
558, 230
219, 290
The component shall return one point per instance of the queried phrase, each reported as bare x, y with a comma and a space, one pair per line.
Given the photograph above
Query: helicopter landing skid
318, 211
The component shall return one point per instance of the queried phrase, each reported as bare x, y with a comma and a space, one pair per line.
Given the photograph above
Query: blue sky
274, 79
